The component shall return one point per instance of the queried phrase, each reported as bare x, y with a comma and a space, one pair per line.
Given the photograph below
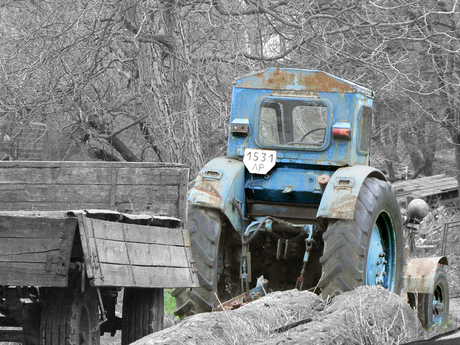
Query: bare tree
151, 79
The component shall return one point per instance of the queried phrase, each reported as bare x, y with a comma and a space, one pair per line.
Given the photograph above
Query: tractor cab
290, 127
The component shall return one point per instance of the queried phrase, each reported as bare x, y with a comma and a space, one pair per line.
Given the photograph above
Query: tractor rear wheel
143, 313
367, 250
204, 226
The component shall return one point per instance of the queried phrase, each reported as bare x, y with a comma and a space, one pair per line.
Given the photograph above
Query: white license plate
259, 161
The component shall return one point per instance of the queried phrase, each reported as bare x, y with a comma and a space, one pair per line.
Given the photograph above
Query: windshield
293, 122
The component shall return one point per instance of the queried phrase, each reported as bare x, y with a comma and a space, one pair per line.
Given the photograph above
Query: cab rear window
294, 123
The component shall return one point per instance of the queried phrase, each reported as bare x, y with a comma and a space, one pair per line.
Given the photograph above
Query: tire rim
438, 304
381, 256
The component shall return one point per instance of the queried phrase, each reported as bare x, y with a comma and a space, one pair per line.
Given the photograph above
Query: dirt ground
367, 315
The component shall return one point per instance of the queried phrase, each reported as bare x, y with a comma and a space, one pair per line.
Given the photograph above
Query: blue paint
271, 98
381, 255
249, 92
438, 305
334, 197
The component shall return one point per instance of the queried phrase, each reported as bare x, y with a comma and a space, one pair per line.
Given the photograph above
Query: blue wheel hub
438, 305
381, 256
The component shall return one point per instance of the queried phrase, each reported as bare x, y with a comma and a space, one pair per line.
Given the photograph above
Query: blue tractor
294, 200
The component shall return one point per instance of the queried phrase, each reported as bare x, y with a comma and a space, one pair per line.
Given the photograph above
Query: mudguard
342, 191
219, 183
420, 274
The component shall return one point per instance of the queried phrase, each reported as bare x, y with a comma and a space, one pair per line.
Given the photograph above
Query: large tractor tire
367, 250
204, 226
70, 316
143, 313
433, 309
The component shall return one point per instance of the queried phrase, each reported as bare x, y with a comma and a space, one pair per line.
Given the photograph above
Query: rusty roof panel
296, 79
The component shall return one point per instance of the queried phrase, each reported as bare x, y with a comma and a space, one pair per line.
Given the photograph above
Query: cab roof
299, 80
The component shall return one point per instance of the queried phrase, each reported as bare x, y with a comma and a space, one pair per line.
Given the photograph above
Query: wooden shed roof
426, 187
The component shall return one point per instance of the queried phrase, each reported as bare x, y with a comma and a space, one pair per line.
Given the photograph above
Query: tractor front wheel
433, 309
367, 250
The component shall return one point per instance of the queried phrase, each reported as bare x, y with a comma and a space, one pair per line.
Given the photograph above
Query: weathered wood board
122, 254
35, 250
150, 188
428, 188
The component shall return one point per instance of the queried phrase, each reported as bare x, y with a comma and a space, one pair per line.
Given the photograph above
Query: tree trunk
391, 170
456, 140
169, 87
184, 84
428, 147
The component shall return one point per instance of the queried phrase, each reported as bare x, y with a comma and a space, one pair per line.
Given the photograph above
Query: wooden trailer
73, 235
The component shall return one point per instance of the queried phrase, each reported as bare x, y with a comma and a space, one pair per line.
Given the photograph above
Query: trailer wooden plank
88, 164
84, 176
183, 190
34, 214
136, 233
11, 246
31, 228
84, 238
87, 176
144, 276
28, 257
89, 193
31, 274
35, 250
142, 254
153, 188
121, 254
154, 209
136, 199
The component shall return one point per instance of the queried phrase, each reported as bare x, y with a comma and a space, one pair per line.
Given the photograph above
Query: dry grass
369, 315
362, 326
247, 328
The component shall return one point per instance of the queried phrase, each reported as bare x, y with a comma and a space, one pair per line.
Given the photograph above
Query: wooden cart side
35, 251
183, 195
131, 255
138, 188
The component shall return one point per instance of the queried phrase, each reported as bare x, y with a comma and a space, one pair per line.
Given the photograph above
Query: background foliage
150, 80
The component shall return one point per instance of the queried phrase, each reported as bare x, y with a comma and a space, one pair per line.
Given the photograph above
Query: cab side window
365, 128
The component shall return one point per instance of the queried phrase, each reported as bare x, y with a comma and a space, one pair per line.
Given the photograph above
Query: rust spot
207, 187
320, 81
295, 93
420, 274
280, 79
205, 192
210, 190
289, 79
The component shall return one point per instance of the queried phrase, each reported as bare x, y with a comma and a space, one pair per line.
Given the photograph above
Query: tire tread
205, 231
346, 241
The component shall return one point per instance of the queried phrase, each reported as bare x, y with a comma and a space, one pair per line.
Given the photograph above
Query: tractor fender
420, 274
218, 185
342, 191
